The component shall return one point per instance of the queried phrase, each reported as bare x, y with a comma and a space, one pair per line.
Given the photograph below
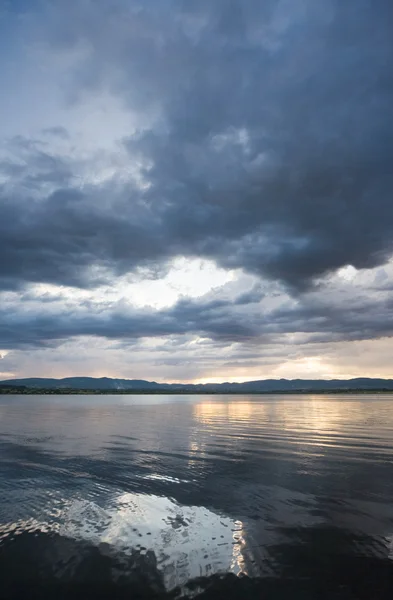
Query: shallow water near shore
150, 493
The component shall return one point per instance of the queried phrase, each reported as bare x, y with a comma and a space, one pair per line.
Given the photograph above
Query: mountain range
263, 385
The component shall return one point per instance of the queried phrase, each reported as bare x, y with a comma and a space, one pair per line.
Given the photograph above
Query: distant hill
263, 385
85, 383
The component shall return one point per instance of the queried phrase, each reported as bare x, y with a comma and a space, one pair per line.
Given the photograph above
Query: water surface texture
153, 492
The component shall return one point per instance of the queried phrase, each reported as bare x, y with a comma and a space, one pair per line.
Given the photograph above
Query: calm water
150, 492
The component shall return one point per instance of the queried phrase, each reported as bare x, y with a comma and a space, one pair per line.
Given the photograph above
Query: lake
287, 496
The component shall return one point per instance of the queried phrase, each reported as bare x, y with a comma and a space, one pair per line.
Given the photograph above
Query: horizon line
205, 383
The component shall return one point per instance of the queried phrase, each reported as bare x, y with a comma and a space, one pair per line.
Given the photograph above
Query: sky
196, 190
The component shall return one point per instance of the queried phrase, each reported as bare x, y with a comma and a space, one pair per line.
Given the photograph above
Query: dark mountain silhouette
263, 385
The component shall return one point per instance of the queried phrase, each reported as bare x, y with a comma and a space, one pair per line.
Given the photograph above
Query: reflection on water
210, 411
176, 488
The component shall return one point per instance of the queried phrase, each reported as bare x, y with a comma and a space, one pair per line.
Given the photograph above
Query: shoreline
17, 390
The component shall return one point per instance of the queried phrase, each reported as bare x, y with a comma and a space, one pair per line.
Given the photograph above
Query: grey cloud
317, 319
56, 131
270, 148
252, 296
27, 166
66, 237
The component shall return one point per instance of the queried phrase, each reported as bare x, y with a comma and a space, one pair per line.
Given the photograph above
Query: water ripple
265, 487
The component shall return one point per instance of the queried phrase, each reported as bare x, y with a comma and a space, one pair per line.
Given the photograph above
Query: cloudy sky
196, 190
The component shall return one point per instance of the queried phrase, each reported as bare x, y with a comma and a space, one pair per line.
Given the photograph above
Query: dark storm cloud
20, 327
53, 230
315, 320
270, 148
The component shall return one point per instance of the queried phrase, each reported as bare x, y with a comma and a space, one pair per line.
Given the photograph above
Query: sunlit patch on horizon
223, 379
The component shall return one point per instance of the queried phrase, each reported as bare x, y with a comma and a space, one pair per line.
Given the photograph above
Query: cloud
338, 311
56, 131
268, 145
252, 136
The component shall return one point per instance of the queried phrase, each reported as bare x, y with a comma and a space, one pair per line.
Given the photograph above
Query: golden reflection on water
314, 413
329, 417
235, 410
309, 426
